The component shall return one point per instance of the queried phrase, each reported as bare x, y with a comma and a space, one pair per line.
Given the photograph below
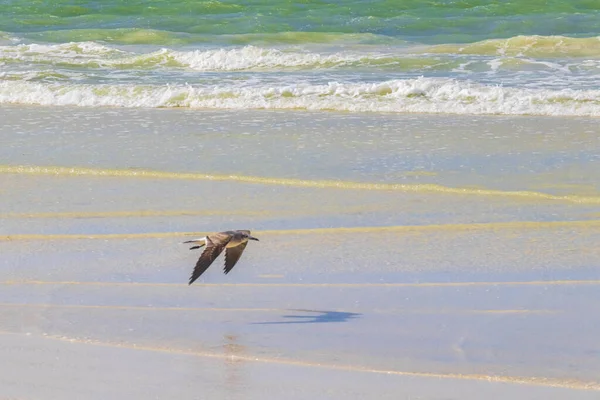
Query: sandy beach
400, 256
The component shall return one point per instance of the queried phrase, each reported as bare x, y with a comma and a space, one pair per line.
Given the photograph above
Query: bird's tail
201, 243
199, 240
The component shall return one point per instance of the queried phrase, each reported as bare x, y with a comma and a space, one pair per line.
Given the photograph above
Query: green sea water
472, 56
440, 21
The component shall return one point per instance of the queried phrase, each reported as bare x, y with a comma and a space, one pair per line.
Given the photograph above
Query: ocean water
523, 57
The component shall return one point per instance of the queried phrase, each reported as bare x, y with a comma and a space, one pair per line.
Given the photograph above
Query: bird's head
249, 237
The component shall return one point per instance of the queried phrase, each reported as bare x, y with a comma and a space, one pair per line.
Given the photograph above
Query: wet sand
395, 261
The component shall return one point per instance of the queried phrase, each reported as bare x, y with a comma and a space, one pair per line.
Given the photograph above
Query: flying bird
233, 242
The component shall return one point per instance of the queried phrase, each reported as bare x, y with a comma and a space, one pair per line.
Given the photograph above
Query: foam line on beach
573, 384
311, 285
513, 225
273, 310
323, 184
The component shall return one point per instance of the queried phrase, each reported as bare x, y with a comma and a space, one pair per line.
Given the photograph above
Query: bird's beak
252, 238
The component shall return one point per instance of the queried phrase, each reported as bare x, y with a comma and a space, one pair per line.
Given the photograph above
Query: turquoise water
414, 20
459, 57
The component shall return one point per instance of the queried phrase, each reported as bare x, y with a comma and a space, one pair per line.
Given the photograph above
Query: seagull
233, 242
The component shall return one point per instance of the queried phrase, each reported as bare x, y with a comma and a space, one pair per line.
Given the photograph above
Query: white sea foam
423, 95
251, 57
224, 59
66, 51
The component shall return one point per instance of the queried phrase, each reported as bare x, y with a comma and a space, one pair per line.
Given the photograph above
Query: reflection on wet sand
235, 358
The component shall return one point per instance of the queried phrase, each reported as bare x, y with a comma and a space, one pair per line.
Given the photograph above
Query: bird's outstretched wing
232, 255
214, 246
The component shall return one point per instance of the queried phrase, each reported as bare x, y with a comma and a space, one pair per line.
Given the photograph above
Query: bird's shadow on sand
316, 317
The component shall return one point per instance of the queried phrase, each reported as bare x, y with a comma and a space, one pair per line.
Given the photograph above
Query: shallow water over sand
412, 256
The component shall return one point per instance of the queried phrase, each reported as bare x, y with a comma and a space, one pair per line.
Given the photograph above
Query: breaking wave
421, 95
532, 50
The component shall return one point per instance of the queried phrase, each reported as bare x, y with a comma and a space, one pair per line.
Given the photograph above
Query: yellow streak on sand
135, 213
311, 285
271, 310
536, 381
326, 231
420, 188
